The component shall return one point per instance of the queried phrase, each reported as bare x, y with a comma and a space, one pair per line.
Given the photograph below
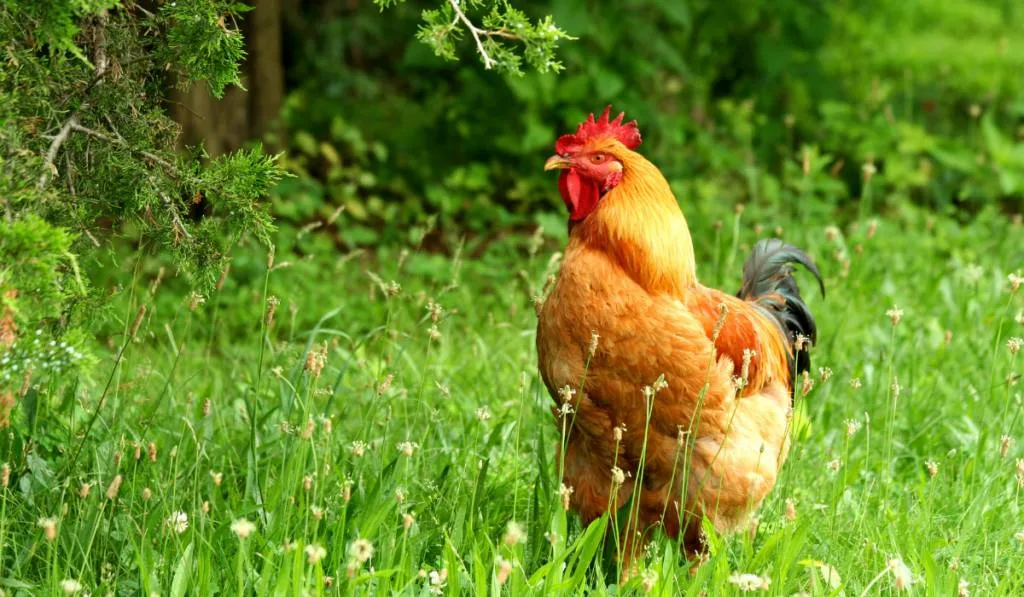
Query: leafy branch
502, 32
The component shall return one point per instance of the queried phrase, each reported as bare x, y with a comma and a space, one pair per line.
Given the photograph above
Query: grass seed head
438, 579
895, 314
151, 451
49, 526
407, 448
963, 588
272, 303
618, 477
749, 583
7, 404
902, 577
147, 494
70, 586
514, 534
360, 551
503, 569
648, 580
177, 522
1015, 280
565, 493
1020, 473
806, 384
1014, 344
790, 510
217, 477
408, 520
242, 528
316, 552
5, 475
932, 466
114, 488
1004, 445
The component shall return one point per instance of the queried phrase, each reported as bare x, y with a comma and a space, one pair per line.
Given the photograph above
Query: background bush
750, 101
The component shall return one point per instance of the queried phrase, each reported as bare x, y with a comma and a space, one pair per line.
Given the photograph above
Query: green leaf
182, 573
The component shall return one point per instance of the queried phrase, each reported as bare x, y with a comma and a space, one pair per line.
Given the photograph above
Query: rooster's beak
557, 162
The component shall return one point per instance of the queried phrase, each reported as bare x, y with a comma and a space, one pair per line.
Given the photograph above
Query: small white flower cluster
38, 355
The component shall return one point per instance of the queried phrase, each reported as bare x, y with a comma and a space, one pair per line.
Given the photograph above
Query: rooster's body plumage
719, 431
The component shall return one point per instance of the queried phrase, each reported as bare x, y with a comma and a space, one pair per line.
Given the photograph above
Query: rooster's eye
597, 158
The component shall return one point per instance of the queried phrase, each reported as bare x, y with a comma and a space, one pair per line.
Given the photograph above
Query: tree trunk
224, 125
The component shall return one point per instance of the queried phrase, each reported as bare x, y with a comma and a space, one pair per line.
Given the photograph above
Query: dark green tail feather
767, 278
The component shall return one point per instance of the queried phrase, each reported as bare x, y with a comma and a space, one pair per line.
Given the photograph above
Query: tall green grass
361, 424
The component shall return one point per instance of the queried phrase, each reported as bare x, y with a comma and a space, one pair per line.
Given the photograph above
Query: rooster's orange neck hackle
640, 225
630, 214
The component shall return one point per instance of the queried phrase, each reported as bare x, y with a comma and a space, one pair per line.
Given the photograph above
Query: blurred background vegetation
390, 127
788, 104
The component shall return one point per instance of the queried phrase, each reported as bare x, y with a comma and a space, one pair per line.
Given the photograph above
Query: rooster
646, 364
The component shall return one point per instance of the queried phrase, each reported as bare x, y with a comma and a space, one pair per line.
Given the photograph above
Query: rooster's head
591, 161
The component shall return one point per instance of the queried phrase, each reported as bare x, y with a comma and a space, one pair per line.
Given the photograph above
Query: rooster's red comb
627, 134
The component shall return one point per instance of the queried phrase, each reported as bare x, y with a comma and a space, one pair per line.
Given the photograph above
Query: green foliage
202, 41
727, 96
501, 26
88, 154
